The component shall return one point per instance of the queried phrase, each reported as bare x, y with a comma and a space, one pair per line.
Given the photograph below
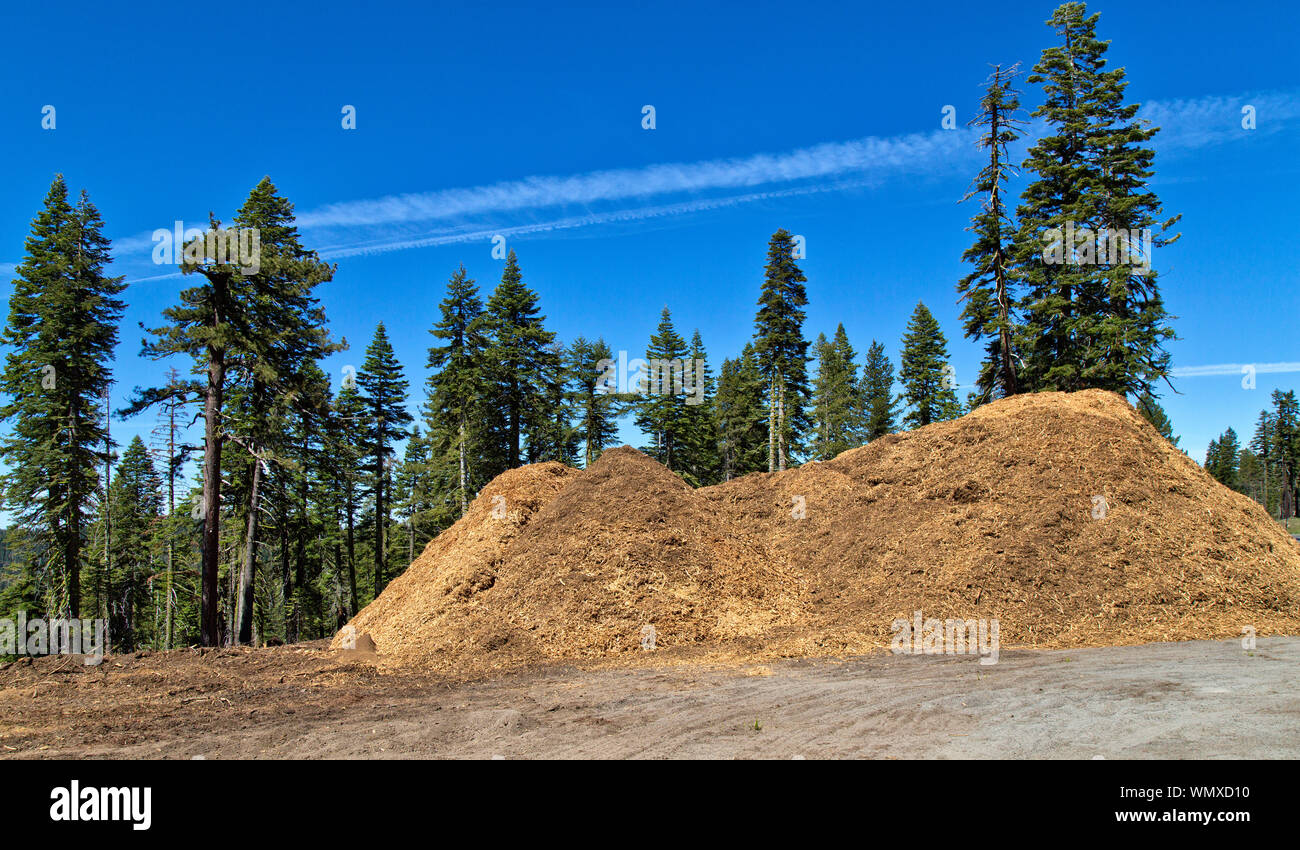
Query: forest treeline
301, 509
1265, 468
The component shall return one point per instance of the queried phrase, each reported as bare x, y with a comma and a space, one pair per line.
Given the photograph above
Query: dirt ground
1198, 699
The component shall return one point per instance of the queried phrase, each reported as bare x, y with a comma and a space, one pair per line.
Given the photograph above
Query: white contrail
828, 160
637, 214
1185, 123
1233, 369
460, 235
359, 227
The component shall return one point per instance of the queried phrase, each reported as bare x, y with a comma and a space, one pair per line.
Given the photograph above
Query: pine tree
518, 355
383, 393
1091, 319
337, 467
257, 326
595, 399
454, 407
291, 336
1250, 475
176, 397
1212, 455
1284, 457
552, 436
781, 350
877, 393
301, 469
412, 494
345, 445
1222, 458
135, 503
253, 329
62, 329
211, 326
837, 404
18, 590
1262, 446
987, 290
741, 417
1229, 459
698, 449
661, 408
925, 372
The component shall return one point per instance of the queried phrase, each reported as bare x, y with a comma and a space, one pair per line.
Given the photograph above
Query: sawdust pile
1066, 517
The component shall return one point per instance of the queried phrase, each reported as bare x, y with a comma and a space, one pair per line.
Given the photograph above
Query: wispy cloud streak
610, 196
829, 160
1220, 369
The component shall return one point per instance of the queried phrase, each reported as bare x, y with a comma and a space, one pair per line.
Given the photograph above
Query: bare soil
1201, 699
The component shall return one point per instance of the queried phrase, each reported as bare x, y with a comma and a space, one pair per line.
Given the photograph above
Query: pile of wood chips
1066, 517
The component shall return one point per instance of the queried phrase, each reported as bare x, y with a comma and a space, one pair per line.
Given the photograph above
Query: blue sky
526, 120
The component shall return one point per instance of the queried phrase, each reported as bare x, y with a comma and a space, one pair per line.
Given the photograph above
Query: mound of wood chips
1066, 517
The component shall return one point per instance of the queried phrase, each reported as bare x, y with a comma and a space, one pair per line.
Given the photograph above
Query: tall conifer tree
987, 290
878, 402
740, 415
699, 446
1091, 319
518, 356
661, 409
1284, 451
62, 328
454, 408
383, 398
1223, 457
781, 350
925, 372
135, 502
837, 403
595, 400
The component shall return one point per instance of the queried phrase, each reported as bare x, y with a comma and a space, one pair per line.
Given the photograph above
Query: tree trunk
379, 519
211, 543
72, 536
464, 503
72, 559
171, 530
771, 427
300, 547
352, 552
344, 613
108, 516
1265, 502
286, 576
780, 427
248, 568
514, 423
1286, 501
999, 268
